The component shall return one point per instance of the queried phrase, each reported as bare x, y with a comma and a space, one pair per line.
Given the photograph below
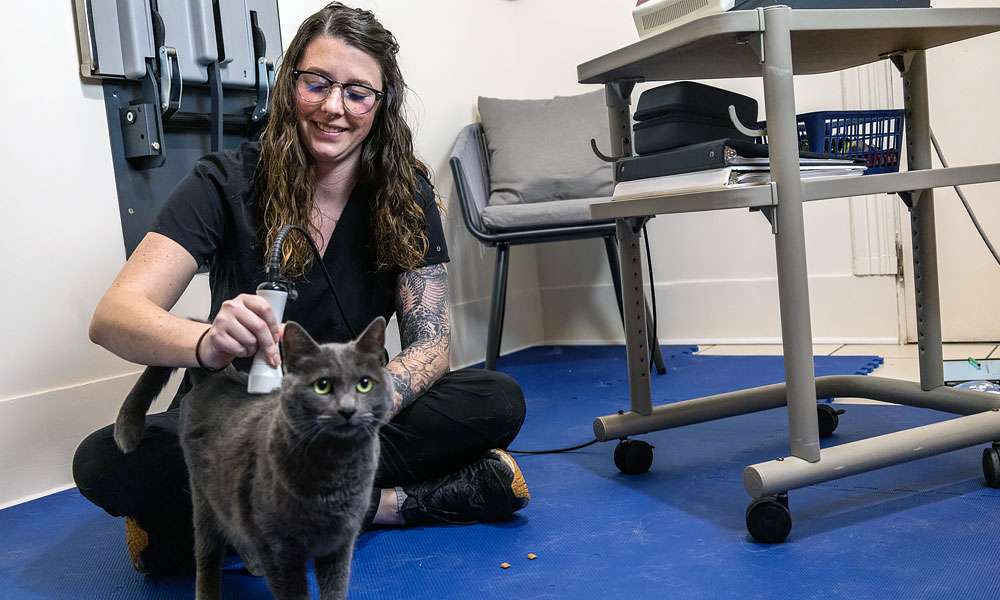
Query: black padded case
687, 112
680, 129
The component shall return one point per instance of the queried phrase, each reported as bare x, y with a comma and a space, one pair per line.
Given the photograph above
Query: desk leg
617, 96
925, 268
793, 282
634, 302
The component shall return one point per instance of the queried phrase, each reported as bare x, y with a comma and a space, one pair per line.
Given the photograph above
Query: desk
774, 43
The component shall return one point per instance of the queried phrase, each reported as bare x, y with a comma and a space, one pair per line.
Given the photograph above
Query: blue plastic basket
873, 135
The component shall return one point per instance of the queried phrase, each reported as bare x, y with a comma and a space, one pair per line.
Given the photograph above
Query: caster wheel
991, 466
828, 418
768, 519
633, 457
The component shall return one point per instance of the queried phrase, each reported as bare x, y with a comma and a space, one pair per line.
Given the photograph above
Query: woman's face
328, 131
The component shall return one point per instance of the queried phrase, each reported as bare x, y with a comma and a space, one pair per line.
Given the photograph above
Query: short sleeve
193, 215
437, 249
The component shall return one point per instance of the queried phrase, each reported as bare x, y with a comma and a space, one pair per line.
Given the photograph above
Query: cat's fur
285, 476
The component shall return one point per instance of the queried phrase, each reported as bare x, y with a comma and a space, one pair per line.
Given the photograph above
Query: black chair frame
503, 240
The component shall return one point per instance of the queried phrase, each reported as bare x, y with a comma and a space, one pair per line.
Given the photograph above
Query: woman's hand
243, 325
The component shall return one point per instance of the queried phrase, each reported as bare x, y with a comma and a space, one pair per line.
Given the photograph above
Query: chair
535, 223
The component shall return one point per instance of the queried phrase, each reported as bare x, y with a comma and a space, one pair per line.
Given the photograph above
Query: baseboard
470, 321
36, 496
717, 341
505, 351
844, 309
39, 432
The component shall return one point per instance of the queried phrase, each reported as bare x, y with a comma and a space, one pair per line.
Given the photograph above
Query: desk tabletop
760, 196
726, 45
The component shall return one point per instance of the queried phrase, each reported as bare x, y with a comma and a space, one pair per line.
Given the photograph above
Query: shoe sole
136, 539
518, 485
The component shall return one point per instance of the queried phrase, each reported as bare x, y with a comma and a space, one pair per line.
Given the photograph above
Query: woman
336, 157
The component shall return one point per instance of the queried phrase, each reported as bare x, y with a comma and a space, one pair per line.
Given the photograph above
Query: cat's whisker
393, 427
305, 438
245, 459
316, 436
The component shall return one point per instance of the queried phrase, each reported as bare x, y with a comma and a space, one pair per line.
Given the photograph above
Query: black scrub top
213, 213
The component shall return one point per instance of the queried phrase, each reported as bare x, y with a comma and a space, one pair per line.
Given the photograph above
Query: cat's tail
132, 417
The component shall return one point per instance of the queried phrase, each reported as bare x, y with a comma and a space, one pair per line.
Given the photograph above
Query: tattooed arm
425, 332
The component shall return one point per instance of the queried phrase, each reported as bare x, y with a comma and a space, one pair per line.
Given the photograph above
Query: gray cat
286, 476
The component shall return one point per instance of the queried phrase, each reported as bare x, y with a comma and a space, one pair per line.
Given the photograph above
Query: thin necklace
325, 217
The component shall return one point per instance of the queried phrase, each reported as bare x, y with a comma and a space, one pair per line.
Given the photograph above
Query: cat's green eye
364, 385
322, 386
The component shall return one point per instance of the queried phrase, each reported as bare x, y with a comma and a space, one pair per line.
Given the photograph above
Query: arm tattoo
425, 332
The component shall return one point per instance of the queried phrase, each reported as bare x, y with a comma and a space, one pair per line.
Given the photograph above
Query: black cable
273, 268
556, 451
897, 60
652, 292
273, 271
968, 209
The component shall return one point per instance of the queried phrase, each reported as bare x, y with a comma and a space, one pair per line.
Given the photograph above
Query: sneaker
155, 557
137, 540
490, 489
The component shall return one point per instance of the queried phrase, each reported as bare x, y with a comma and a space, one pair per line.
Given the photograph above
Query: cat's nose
347, 412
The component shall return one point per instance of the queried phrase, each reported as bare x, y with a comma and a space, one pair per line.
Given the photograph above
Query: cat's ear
297, 344
372, 339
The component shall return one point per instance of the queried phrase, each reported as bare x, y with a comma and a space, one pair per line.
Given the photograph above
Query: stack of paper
716, 165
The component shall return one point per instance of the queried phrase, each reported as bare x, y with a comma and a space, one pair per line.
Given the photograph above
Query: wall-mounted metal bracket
142, 124
265, 82
170, 80
139, 131
265, 70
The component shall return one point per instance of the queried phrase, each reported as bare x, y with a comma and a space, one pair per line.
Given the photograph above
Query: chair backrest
470, 169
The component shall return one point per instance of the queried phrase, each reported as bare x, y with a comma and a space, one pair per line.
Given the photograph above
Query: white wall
63, 245
714, 272
964, 94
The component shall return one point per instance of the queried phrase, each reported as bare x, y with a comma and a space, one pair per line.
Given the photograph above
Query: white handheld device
263, 377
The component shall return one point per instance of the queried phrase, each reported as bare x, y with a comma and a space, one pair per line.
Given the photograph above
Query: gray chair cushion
539, 150
540, 215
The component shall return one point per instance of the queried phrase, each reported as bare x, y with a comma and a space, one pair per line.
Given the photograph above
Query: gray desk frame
776, 43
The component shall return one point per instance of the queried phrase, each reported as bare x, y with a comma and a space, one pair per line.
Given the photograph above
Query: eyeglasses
359, 99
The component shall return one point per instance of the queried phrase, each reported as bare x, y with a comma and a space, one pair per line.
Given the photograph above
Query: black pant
463, 415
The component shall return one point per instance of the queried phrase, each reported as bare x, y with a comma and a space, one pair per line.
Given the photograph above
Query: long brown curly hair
285, 175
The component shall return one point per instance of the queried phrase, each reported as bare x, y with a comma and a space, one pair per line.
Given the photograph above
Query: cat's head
337, 389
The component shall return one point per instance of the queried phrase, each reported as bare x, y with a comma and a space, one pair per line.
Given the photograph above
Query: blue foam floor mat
925, 529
